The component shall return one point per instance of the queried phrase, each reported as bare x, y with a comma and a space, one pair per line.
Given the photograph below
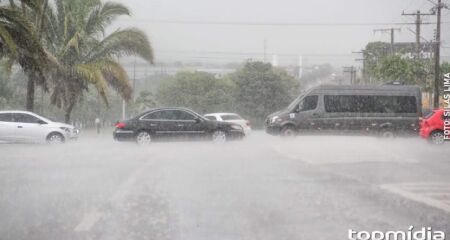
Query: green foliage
20, 42
373, 53
145, 101
396, 68
200, 91
5, 91
262, 89
445, 67
87, 56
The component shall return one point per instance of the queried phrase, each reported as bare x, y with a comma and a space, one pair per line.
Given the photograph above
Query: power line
391, 30
418, 22
197, 22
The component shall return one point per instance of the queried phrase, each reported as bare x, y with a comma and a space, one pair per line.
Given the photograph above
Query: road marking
92, 217
431, 198
88, 221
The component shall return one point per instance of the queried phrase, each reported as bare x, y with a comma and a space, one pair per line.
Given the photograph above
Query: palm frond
117, 78
102, 16
8, 41
93, 74
123, 42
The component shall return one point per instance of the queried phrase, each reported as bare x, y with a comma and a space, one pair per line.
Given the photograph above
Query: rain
224, 120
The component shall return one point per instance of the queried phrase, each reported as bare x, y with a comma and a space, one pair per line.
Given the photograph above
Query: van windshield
294, 103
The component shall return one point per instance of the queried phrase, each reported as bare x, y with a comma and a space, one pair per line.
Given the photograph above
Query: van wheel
437, 138
288, 131
55, 138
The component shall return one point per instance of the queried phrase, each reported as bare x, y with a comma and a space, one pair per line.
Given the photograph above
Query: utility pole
418, 22
437, 52
391, 30
363, 60
265, 49
134, 78
124, 104
352, 72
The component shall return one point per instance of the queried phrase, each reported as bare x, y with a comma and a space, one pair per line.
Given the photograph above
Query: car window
231, 117
161, 115
25, 118
308, 103
211, 118
6, 117
183, 115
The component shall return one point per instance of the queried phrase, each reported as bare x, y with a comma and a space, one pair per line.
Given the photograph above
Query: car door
191, 126
7, 127
162, 124
30, 128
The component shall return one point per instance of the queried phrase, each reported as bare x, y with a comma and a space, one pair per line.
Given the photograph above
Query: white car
22, 126
231, 117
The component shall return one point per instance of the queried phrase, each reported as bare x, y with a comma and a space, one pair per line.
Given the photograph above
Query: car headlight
65, 129
236, 127
275, 119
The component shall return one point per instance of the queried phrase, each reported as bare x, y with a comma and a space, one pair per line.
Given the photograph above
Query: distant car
175, 124
432, 127
23, 126
232, 118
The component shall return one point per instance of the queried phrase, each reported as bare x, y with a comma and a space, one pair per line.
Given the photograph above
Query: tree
445, 67
144, 102
88, 56
197, 90
396, 68
20, 42
262, 89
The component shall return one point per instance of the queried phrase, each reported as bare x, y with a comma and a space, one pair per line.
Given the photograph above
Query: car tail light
248, 124
120, 125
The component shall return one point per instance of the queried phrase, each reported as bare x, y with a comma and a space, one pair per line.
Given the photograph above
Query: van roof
369, 87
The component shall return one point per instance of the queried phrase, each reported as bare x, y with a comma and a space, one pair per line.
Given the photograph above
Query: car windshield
224, 119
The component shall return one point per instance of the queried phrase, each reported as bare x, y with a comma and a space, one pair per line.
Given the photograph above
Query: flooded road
310, 187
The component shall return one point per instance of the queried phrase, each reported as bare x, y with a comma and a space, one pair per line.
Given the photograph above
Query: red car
432, 127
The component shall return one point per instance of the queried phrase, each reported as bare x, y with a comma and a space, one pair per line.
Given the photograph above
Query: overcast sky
318, 43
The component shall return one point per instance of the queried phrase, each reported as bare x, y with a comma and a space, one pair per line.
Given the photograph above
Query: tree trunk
68, 113
30, 94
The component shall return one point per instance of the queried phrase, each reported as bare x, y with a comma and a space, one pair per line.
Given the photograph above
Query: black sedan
175, 124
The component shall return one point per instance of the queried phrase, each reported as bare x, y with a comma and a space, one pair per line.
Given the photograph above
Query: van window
370, 104
308, 103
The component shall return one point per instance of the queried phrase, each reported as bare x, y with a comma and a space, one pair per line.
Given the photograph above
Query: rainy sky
349, 26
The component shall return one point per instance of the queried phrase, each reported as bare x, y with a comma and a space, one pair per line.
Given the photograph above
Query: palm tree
88, 56
20, 42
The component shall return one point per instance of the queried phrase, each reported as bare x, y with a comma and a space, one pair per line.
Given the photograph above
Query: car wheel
288, 131
55, 138
437, 137
387, 135
143, 138
219, 136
